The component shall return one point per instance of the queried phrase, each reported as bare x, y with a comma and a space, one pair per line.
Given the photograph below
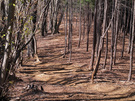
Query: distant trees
114, 15
54, 12
123, 9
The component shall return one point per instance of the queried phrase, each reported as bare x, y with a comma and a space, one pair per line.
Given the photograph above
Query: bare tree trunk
124, 33
2, 26
66, 27
32, 47
113, 31
105, 16
132, 44
101, 42
98, 26
5, 62
60, 19
94, 36
130, 33
99, 51
88, 25
35, 49
104, 27
116, 33
80, 25
76, 16
50, 16
97, 60
44, 21
70, 30
55, 14
106, 51
84, 22
127, 19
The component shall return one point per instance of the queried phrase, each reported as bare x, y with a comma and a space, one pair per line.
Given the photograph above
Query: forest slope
62, 80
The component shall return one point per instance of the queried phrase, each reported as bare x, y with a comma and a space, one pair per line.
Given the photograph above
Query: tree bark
80, 25
70, 30
88, 25
66, 27
124, 32
132, 43
116, 34
104, 27
98, 28
5, 62
130, 33
113, 31
94, 36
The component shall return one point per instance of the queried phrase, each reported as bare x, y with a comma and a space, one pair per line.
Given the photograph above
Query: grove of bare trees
21, 20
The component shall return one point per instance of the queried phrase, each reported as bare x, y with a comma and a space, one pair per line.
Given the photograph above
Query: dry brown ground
62, 80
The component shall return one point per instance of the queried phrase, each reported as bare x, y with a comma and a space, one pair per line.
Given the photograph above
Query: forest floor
62, 80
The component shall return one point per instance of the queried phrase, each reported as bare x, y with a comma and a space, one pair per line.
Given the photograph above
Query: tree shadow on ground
74, 96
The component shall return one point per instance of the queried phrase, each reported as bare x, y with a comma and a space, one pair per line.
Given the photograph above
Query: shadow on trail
28, 66
52, 96
75, 96
69, 81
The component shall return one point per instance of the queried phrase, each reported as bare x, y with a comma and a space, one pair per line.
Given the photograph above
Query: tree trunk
101, 42
124, 33
55, 14
70, 30
98, 28
5, 62
130, 33
113, 31
44, 21
60, 19
104, 27
132, 44
94, 36
84, 22
66, 27
2, 26
80, 25
88, 25
116, 34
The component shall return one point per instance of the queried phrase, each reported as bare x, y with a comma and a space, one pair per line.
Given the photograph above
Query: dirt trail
62, 80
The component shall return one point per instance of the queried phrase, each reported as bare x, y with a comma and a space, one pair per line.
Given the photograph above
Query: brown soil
62, 80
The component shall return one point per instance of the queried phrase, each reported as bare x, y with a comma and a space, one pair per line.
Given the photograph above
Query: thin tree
89, 21
70, 29
132, 44
80, 25
104, 27
98, 28
66, 16
8, 48
124, 28
114, 3
94, 36
44, 21
116, 32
